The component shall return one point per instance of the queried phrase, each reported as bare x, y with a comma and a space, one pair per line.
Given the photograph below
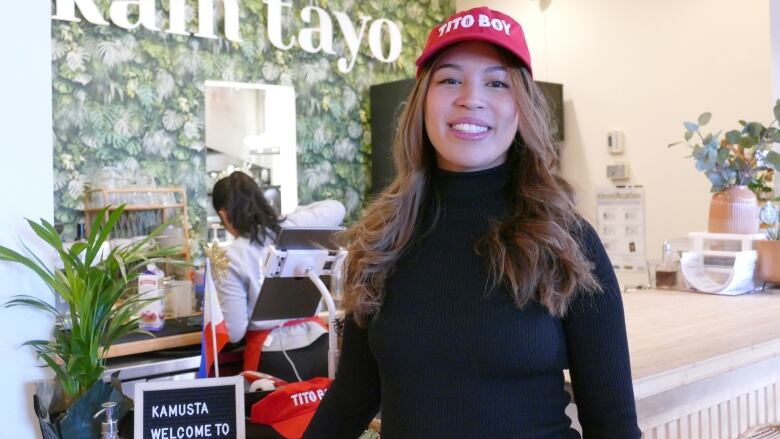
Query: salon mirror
252, 127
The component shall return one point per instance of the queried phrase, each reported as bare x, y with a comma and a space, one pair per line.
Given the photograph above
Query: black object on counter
81, 232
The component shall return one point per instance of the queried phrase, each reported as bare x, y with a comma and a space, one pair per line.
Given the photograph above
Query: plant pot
77, 420
734, 210
769, 261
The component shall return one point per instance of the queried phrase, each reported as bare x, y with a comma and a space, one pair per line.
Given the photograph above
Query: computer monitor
283, 298
288, 297
302, 238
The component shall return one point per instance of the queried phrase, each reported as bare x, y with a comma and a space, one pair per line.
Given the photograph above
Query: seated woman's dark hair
246, 207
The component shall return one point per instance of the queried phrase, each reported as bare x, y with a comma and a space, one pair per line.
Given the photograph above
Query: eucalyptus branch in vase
743, 157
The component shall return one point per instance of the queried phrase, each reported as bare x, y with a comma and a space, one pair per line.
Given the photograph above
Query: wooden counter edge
646, 387
154, 344
175, 341
670, 379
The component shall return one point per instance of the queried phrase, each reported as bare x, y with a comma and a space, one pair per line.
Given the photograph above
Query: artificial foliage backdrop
133, 99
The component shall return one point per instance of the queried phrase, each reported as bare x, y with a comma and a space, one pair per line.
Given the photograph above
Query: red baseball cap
478, 24
289, 409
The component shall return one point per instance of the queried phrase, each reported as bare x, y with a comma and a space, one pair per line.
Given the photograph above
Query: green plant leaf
121, 264
755, 129
7, 254
732, 137
98, 234
32, 302
746, 142
93, 292
58, 369
773, 134
773, 158
723, 154
698, 152
776, 110
688, 135
46, 231
704, 118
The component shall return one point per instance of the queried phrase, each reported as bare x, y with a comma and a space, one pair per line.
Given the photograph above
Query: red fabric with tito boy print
289, 409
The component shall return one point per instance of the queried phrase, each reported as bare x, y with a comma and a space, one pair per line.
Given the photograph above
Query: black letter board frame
225, 388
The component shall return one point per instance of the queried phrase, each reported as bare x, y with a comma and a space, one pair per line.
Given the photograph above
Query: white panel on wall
26, 182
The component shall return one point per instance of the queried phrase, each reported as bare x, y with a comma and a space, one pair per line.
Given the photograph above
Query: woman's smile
468, 128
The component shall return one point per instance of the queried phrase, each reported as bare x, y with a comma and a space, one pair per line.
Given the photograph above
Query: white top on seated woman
253, 222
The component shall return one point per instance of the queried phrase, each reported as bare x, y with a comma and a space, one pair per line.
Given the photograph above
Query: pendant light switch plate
617, 171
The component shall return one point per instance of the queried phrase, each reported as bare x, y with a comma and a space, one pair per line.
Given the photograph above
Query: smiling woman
471, 283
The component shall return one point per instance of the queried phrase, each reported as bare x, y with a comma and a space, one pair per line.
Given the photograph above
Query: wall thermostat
615, 142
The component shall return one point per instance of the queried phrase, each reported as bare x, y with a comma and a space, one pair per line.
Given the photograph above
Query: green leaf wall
134, 99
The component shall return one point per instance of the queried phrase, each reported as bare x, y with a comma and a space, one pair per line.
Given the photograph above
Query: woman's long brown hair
533, 253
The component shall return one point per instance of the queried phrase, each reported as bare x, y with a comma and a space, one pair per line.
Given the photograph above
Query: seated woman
247, 216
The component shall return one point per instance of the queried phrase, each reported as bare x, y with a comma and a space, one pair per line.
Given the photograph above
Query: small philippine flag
215, 333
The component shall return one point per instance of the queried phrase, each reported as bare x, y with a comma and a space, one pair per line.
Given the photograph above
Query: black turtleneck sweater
445, 359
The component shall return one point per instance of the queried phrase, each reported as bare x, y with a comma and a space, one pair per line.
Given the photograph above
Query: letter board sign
190, 409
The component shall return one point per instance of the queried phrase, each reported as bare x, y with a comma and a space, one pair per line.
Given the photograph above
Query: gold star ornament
218, 259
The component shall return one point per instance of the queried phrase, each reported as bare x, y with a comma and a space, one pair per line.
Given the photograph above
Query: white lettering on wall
352, 39
380, 31
206, 20
375, 40
176, 18
274, 23
66, 10
232, 32
120, 14
325, 31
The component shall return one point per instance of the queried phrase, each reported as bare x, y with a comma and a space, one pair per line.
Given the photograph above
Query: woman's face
470, 113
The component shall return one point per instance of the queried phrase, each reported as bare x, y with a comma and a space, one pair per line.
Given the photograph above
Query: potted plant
98, 289
769, 249
740, 166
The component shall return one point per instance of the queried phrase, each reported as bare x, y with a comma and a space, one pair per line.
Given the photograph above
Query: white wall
775, 37
25, 191
643, 67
